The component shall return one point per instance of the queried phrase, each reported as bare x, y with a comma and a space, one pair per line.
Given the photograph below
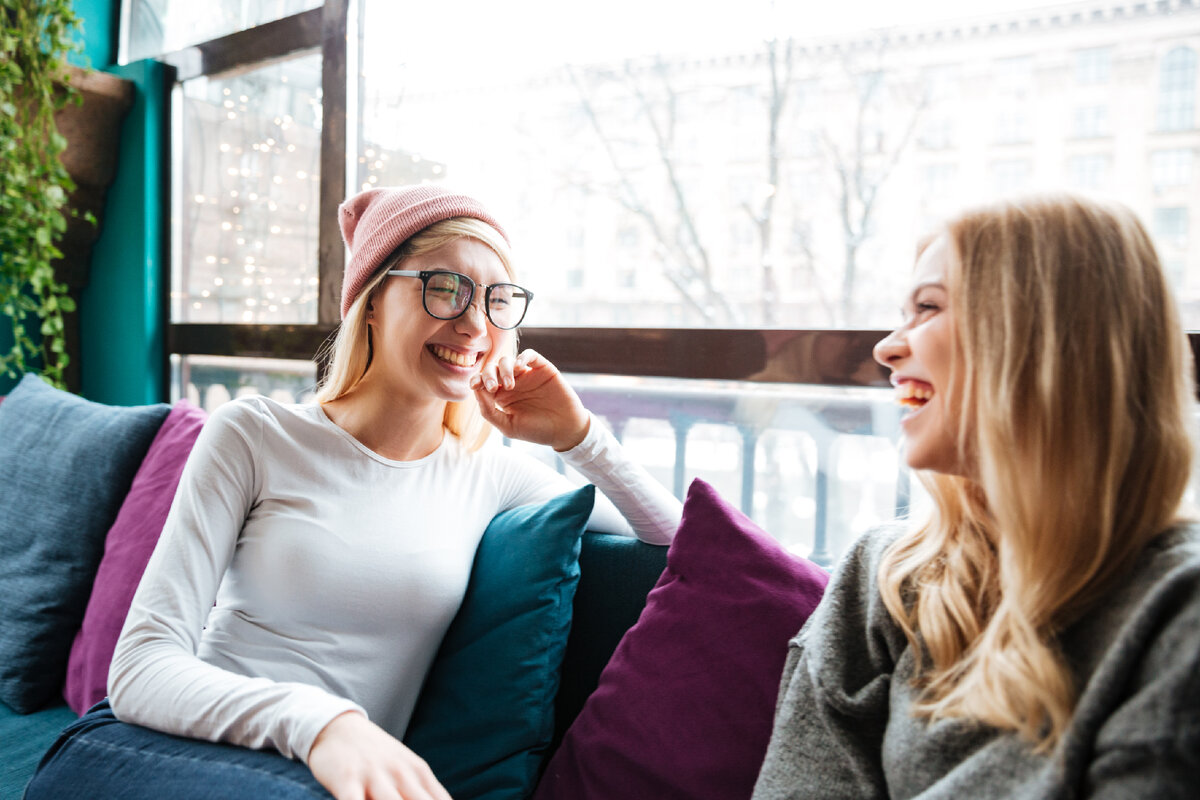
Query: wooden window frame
822, 357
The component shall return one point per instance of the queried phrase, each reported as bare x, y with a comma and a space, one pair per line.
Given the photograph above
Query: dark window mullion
251, 48
331, 253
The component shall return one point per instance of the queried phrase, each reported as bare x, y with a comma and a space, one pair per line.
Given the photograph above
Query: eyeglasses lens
447, 294
506, 305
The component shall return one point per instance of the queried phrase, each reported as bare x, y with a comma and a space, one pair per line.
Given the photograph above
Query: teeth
456, 358
913, 395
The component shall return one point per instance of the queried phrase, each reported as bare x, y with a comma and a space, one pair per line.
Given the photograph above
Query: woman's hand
355, 759
527, 398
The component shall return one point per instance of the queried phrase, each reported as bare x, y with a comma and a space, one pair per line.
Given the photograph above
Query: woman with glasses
316, 554
1037, 633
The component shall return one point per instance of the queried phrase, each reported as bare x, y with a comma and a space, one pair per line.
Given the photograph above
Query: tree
864, 122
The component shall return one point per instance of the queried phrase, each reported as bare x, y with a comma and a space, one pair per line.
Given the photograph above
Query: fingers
495, 374
502, 373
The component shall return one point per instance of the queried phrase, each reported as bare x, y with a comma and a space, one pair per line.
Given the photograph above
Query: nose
473, 321
891, 349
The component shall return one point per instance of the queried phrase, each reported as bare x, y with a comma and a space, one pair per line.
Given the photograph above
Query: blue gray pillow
65, 466
485, 717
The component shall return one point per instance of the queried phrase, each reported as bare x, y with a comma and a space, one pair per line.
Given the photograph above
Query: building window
1093, 65
1012, 127
1171, 226
1177, 90
1088, 172
938, 182
1011, 175
1171, 168
1014, 75
937, 133
1091, 122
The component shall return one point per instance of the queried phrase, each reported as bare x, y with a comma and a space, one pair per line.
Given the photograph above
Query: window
247, 196
1171, 168
1091, 122
1012, 126
1089, 172
938, 133
633, 167
937, 182
153, 27
1011, 175
1177, 90
1171, 226
1014, 75
1093, 65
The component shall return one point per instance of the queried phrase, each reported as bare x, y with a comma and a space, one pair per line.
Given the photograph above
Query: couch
615, 668
616, 573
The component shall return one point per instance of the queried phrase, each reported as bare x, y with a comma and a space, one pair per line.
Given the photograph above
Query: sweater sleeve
156, 679
1149, 745
630, 501
833, 700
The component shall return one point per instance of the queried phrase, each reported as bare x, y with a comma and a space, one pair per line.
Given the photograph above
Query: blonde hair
349, 353
1076, 386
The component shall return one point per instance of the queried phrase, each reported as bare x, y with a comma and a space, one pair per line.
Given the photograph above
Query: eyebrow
934, 284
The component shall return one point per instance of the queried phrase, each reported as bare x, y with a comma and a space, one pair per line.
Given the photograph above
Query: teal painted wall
121, 314
101, 20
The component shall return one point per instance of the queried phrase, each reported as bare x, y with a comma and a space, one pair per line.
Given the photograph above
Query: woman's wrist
577, 439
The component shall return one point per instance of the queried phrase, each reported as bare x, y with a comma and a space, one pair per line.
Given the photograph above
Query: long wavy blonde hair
1076, 389
349, 353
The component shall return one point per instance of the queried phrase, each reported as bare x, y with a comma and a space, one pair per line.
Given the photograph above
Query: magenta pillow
685, 706
127, 548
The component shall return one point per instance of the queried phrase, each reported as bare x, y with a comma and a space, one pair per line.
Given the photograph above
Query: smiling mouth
912, 394
452, 356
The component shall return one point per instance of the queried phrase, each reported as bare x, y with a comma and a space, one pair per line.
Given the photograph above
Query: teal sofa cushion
485, 718
23, 740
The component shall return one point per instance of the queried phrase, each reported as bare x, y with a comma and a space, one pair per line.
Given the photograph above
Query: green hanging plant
35, 38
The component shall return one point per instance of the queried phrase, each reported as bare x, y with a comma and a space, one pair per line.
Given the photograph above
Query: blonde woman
1038, 635
315, 554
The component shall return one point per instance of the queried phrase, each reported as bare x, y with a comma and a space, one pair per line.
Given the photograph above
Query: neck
394, 425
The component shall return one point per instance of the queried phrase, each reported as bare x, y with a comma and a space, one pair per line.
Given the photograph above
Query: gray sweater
844, 727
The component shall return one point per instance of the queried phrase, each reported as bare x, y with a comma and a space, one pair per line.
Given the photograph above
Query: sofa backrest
616, 574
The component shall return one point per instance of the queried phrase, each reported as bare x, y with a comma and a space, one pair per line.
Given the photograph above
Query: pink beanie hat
376, 222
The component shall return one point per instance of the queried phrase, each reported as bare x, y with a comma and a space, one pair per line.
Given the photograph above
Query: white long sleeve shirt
300, 575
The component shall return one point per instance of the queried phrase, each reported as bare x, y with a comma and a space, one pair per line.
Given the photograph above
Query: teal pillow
485, 717
65, 466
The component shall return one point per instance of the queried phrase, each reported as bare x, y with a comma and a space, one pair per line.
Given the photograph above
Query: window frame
688, 353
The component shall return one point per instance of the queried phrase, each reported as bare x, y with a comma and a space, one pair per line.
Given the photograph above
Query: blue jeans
100, 757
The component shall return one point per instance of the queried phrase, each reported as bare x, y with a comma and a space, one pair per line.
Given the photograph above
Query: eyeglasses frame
426, 274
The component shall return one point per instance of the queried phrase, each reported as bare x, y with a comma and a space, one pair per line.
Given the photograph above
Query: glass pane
814, 466
247, 164
633, 164
210, 381
153, 27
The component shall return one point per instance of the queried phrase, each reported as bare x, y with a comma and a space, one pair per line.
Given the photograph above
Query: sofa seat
23, 739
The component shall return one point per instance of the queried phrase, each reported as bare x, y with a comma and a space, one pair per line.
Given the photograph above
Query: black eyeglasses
448, 295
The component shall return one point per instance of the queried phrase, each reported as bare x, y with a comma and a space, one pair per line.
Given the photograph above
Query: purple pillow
685, 706
127, 548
